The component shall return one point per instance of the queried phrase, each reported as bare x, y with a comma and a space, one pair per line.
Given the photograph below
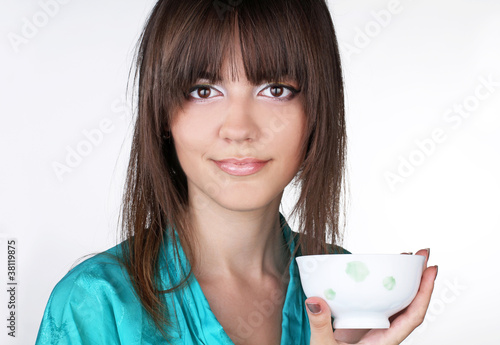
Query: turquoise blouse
95, 303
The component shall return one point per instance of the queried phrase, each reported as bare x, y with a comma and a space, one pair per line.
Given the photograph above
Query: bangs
272, 47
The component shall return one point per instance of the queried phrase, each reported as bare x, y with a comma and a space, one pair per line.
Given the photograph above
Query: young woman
234, 103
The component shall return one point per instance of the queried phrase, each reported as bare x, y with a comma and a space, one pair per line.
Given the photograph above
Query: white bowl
362, 290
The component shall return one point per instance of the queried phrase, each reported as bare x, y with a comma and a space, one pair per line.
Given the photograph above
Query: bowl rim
419, 257
374, 254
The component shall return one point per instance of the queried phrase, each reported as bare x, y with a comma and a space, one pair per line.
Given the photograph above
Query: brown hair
180, 42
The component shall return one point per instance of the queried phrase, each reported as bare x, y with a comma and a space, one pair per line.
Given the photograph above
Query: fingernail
315, 308
428, 252
436, 271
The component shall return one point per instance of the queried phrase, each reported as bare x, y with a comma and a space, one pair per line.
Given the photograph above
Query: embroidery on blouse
53, 333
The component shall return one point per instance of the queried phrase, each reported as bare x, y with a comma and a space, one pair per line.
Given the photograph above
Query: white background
408, 65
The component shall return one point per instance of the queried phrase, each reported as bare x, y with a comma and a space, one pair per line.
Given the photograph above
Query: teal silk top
95, 303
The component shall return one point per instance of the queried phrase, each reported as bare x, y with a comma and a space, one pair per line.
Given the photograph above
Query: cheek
290, 132
190, 134
287, 144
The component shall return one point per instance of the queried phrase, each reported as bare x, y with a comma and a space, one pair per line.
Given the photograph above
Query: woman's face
222, 124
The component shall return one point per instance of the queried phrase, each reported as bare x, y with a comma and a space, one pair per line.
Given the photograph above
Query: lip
241, 166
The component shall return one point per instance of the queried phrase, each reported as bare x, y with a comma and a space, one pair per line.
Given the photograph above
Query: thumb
320, 320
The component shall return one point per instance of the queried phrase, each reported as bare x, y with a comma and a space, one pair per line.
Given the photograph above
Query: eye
277, 90
200, 92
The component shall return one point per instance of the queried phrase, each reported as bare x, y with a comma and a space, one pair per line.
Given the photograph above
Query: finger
425, 252
320, 321
414, 314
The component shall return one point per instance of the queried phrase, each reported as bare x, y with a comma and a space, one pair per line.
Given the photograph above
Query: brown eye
203, 92
280, 92
276, 90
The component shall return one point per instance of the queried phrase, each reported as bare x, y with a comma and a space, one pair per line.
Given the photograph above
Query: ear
166, 133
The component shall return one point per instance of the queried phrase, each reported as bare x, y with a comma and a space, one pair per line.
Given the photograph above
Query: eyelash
293, 92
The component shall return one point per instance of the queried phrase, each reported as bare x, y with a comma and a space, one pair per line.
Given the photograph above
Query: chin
242, 205
248, 201
241, 196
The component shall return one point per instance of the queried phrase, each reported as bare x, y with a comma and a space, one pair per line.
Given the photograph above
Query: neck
242, 244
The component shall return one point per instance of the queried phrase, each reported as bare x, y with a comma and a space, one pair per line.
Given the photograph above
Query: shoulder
97, 272
89, 302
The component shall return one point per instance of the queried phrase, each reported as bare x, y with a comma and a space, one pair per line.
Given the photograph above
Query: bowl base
361, 321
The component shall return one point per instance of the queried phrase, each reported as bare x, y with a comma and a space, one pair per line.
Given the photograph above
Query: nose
239, 124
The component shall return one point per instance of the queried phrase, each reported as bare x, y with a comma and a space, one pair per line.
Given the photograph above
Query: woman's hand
402, 324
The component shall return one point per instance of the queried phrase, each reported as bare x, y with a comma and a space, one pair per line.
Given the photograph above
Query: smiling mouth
241, 167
